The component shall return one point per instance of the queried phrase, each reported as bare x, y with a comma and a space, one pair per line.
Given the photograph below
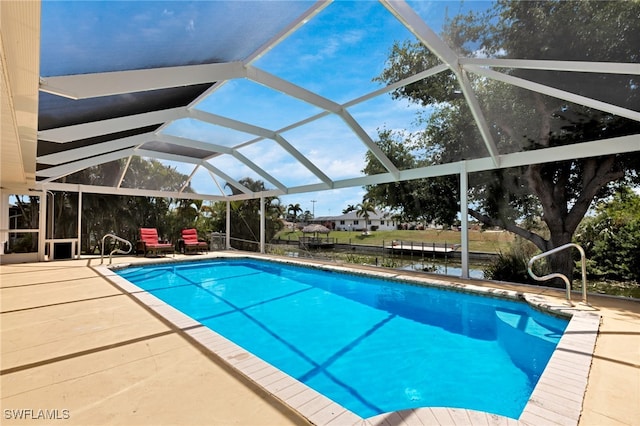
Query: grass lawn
479, 241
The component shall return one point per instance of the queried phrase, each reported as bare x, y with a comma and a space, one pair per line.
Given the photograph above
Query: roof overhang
19, 85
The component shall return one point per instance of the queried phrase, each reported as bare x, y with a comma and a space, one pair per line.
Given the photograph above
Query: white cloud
346, 168
482, 53
353, 37
329, 49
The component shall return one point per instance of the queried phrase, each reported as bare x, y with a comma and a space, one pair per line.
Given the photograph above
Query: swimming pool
371, 345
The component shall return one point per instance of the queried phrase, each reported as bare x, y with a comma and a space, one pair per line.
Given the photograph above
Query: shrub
611, 239
512, 265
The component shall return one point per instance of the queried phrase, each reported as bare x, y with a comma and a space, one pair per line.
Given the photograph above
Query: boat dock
404, 246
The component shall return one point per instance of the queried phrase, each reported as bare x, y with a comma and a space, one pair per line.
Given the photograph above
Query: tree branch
603, 174
508, 129
545, 119
540, 187
589, 170
536, 239
560, 188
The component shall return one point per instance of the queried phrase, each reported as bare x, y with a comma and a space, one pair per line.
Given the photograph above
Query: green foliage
363, 209
245, 217
25, 244
293, 210
409, 58
29, 212
425, 200
217, 216
560, 193
196, 214
512, 265
348, 209
611, 239
123, 216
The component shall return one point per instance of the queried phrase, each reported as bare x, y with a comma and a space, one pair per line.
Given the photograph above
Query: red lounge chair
191, 243
149, 242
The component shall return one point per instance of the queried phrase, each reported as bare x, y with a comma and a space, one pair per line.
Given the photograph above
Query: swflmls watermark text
36, 414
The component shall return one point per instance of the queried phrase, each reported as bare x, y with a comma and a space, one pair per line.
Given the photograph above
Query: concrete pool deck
79, 349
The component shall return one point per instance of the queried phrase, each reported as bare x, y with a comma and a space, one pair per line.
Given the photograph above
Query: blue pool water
371, 345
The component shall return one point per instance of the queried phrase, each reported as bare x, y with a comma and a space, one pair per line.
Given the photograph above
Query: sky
337, 54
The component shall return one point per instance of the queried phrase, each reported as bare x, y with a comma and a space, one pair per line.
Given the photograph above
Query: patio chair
191, 242
149, 243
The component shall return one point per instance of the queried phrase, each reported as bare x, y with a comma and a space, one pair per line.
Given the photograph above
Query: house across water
377, 221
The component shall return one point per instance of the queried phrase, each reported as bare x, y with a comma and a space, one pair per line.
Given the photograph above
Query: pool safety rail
116, 250
562, 276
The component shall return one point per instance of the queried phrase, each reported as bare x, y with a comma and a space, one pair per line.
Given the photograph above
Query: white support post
78, 244
262, 225
464, 219
4, 220
228, 226
42, 227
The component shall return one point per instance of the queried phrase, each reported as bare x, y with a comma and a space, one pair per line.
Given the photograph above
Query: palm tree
279, 209
187, 211
294, 209
348, 209
306, 216
362, 210
245, 216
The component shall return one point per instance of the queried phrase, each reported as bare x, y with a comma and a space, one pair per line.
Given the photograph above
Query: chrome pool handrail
115, 237
559, 275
